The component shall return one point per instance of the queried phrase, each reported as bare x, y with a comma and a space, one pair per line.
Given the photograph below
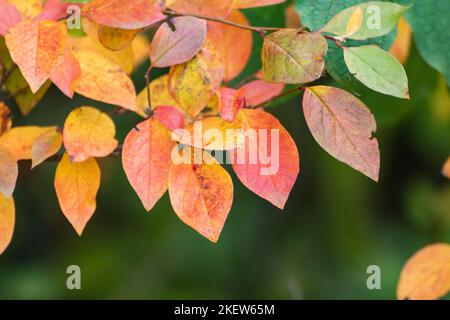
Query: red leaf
129, 14
260, 91
9, 16
267, 179
170, 117
230, 102
54, 10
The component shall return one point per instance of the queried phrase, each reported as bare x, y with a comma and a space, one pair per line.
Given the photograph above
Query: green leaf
316, 13
293, 57
379, 18
430, 23
378, 70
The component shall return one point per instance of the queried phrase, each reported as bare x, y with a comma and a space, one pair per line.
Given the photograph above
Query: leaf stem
147, 84
281, 95
336, 41
260, 30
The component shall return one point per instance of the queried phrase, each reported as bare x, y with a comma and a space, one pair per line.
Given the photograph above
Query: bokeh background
336, 223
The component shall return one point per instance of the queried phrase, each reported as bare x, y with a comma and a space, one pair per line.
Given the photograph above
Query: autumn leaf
146, 159
170, 47
230, 102
159, 96
66, 74
8, 173
76, 186
402, 45
292, 17
201, 193
378, 70
426, 275
19, 140
28, 9
244, 4
446, 168
37, 47
103, 80
215, 9
294, 57
5, 118
88, 132
234, 44
54, 10
45, 146
115, 38
354, 22
17, 86
130, 14
343, 126
271, 180
9, 16
216, 134
260, 91
170, 117
193, 83
7, 220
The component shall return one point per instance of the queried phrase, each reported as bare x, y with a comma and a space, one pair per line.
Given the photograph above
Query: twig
336, 41
147, 84
6, 74
260, 30
283, 94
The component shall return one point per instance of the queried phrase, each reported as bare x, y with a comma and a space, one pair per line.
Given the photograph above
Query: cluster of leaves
206, 44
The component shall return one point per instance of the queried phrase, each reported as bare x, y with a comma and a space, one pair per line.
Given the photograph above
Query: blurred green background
336, 223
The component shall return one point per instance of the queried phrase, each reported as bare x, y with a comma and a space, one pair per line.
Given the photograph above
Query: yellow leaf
192, 84
159, 95
45, 146
19, 140
103, 80
140, 47
354, 23
76, 186
28, 9
116, 39
7, 218
8, 172
88, 132
426, 275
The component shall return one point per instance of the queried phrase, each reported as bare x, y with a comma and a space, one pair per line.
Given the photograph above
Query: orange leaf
446, 168
7, 219
76, 186
402, 44
292, 17
66, 74
9, 16
103, 80
37, 47
266, 165
146, 159
216, 9
45, 146
244, 4
88, 132
8, 173
5, 118
193, 83
230, 102
129, 14
19, 140
343, 126
170, 47
201, 193
426, 275
234, 44
260, 91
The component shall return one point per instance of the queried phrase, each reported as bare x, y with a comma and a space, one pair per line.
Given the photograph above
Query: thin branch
6, 74
147, 84
336, 41
259, 30
281, 95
